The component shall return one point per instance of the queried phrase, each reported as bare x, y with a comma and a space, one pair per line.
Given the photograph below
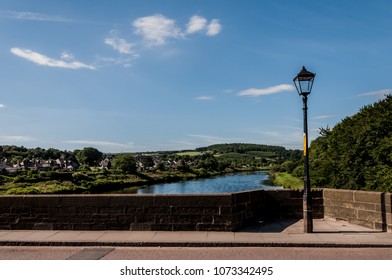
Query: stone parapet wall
369, 209
204, 212
288, 203
217, 212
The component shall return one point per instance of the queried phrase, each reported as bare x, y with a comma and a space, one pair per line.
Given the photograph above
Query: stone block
280, 195
368, 197
257, 196
41, 200
84, 200
369, 216
388, 198
136, 201
338, 195
317, 193
140, 226
183, 227
222, 220
191, 200
226, 210
364, 206
185, 210
241, 198
43, 226
298, 193
388, 217
363, 223
212, 227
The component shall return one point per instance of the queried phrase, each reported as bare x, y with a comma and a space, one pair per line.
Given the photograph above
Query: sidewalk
285, 233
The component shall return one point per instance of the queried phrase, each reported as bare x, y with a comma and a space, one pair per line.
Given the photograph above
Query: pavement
282, 233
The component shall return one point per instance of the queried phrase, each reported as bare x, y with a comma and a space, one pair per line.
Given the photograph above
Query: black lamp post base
308, 221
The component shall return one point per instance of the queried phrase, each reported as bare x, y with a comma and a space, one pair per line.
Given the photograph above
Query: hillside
252, 154
357, 152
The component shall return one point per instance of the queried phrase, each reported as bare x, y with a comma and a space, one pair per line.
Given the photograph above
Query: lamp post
304, 83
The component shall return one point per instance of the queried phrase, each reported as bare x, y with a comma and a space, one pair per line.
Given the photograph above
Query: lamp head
304, 81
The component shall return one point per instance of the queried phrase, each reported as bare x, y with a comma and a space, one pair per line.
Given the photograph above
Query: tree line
355, 154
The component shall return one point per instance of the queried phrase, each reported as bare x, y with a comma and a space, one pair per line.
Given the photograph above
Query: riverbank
101, 181
286, 180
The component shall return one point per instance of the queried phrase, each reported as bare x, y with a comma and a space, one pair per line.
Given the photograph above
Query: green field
190, 153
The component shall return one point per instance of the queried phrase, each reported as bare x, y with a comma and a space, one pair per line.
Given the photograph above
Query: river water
234, 182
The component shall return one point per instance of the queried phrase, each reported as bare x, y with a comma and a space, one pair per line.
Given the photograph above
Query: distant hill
357, 152
244, 151
242, 148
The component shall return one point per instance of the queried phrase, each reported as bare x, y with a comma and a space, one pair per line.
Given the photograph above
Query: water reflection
223, 184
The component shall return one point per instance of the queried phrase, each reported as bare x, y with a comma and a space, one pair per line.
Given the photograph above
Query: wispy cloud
124, 61
324, 117
380, 93
211, 139
112, 146
2, 106
16, 138
66, 60
204, 98
119, 44
126, 51
33, 16
266, 91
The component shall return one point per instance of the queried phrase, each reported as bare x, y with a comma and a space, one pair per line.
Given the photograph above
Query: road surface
193, 253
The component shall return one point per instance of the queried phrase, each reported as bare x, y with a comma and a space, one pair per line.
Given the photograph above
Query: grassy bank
287, 180
95, 182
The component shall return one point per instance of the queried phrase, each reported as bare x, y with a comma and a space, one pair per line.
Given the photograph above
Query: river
234, 182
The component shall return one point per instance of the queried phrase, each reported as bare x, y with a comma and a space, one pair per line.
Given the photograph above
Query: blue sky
131, 76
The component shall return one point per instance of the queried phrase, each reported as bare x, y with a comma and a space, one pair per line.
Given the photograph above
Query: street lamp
304, 83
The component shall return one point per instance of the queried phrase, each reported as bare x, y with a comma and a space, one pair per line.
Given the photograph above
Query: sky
152, 75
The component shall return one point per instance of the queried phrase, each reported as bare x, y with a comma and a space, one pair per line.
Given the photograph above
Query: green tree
357, 152
125, 163
89, 156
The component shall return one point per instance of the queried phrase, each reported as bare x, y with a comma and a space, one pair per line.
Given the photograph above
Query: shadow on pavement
270, 226
322, 226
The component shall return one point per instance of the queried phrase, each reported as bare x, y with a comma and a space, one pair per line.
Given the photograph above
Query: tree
125, 163
357, 152
89, 156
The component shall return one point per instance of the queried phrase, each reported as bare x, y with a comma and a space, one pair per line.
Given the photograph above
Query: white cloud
119, 44
67, 56
204, 98
266, 91
324, 117
195, 24
156, 29
16, 138
33, 16
214, 28
41, 59
210, 139
126, 62
2, 106
380, 93
198, 23
106, 145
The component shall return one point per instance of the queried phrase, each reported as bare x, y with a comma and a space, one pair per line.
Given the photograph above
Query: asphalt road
193, 253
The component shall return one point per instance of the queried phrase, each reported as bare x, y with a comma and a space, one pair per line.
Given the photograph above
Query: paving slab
126, 236
287, 233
